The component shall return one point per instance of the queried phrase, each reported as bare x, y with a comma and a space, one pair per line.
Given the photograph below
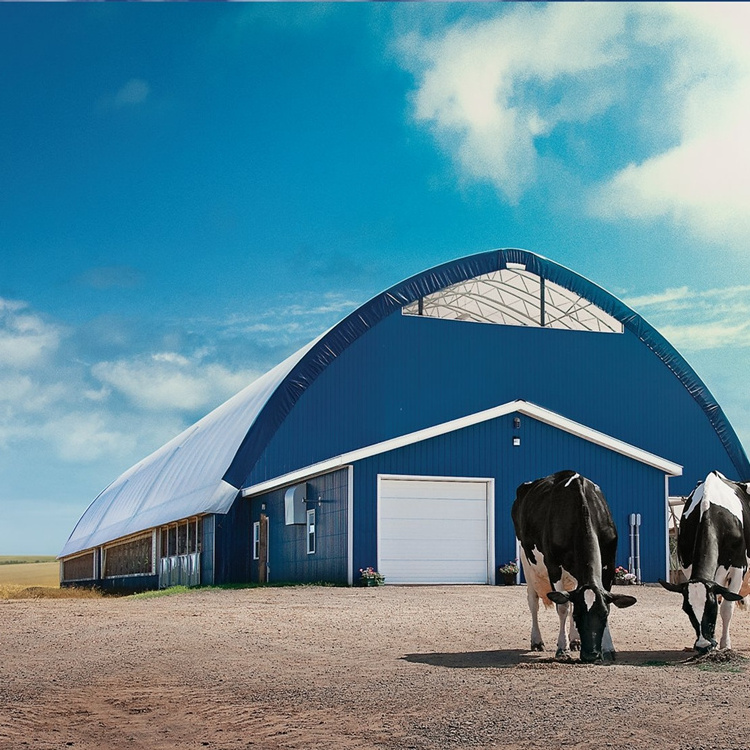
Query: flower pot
509, 579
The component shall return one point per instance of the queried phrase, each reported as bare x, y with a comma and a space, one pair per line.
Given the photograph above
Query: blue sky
191, 192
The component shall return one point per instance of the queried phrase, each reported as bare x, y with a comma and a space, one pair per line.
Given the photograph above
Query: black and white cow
713, 547
568, 542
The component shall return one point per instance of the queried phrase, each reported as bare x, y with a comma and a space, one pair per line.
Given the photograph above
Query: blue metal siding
232, 544
408, 373
313, 361
486, 450
207, 550
287, 545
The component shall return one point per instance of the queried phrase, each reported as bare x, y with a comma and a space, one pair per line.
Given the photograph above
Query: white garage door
434, 530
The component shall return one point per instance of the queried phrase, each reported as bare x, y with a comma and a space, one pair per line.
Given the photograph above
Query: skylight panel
517, 297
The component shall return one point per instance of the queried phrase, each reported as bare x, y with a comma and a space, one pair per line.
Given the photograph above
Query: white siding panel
433, 531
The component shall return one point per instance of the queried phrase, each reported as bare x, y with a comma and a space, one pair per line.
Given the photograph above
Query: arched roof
201, 469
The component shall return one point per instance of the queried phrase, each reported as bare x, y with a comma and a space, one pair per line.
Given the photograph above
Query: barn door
263, 549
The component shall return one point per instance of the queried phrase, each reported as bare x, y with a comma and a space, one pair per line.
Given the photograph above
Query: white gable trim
519, 406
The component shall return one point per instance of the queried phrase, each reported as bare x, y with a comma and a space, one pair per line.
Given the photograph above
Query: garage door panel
435, 490
410, 508
429, 571
414, 530
433, 531
416, 549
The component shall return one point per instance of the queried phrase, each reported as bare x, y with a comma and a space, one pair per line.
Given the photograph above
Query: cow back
566, 517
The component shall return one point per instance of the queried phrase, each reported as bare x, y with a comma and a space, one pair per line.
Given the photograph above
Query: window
311, 531
182, 539
133, 557
256, 540
515, 297
79, 568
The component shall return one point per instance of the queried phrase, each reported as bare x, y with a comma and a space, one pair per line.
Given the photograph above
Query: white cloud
135, 91
492, 90
479, 85
701, 336
701, 182
84, 437
699, 320
25, 339
170, 381
669, 296
54, 402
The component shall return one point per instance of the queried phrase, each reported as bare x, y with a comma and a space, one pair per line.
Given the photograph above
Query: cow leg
563, 646
733, 583
575, 638
608, 647
537, 644
726, 610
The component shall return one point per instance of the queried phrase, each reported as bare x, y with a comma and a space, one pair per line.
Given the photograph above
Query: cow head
590, 613
700, 605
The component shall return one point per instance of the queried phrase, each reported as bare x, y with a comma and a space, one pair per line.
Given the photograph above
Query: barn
397, 438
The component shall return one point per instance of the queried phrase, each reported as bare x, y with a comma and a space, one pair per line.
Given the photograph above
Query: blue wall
407, 373
486, 450
287, 545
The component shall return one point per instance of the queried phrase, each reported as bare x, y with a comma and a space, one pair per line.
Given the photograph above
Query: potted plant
508, 572
623, 577
370, 577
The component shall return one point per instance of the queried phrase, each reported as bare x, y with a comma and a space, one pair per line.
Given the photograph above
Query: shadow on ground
516, 657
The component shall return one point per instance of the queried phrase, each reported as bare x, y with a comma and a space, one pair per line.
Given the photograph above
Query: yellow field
30, 574
37, 580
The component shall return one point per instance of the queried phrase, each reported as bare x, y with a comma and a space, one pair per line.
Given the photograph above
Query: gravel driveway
392, 667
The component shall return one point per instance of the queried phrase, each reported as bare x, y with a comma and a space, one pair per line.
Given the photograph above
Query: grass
15, 591
172, 590
719, 668
40, 580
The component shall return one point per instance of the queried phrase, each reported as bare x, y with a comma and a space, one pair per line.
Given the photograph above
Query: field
388, 668
26, 575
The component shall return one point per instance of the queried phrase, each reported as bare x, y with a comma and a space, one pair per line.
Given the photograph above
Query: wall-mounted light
516, 441
516, 423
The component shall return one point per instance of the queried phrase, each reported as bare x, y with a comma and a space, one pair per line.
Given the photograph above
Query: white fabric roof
184, 477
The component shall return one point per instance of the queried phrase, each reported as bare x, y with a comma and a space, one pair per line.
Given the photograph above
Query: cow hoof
609, 656
575, 645
562, 655
537, 646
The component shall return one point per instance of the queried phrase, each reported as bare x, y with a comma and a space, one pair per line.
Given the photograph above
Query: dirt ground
392, 667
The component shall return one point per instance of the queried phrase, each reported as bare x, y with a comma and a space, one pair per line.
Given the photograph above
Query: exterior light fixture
516, 423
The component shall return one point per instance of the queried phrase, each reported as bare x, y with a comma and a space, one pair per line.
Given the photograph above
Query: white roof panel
184, 477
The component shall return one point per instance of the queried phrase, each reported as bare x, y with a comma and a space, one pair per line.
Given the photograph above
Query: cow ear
730, 596
678, 588
622, 600
559, 597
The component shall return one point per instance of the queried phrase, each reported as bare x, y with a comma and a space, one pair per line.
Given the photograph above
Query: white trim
256, 540
488, 482
314, 533
522, 407
666, 528
350, 525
